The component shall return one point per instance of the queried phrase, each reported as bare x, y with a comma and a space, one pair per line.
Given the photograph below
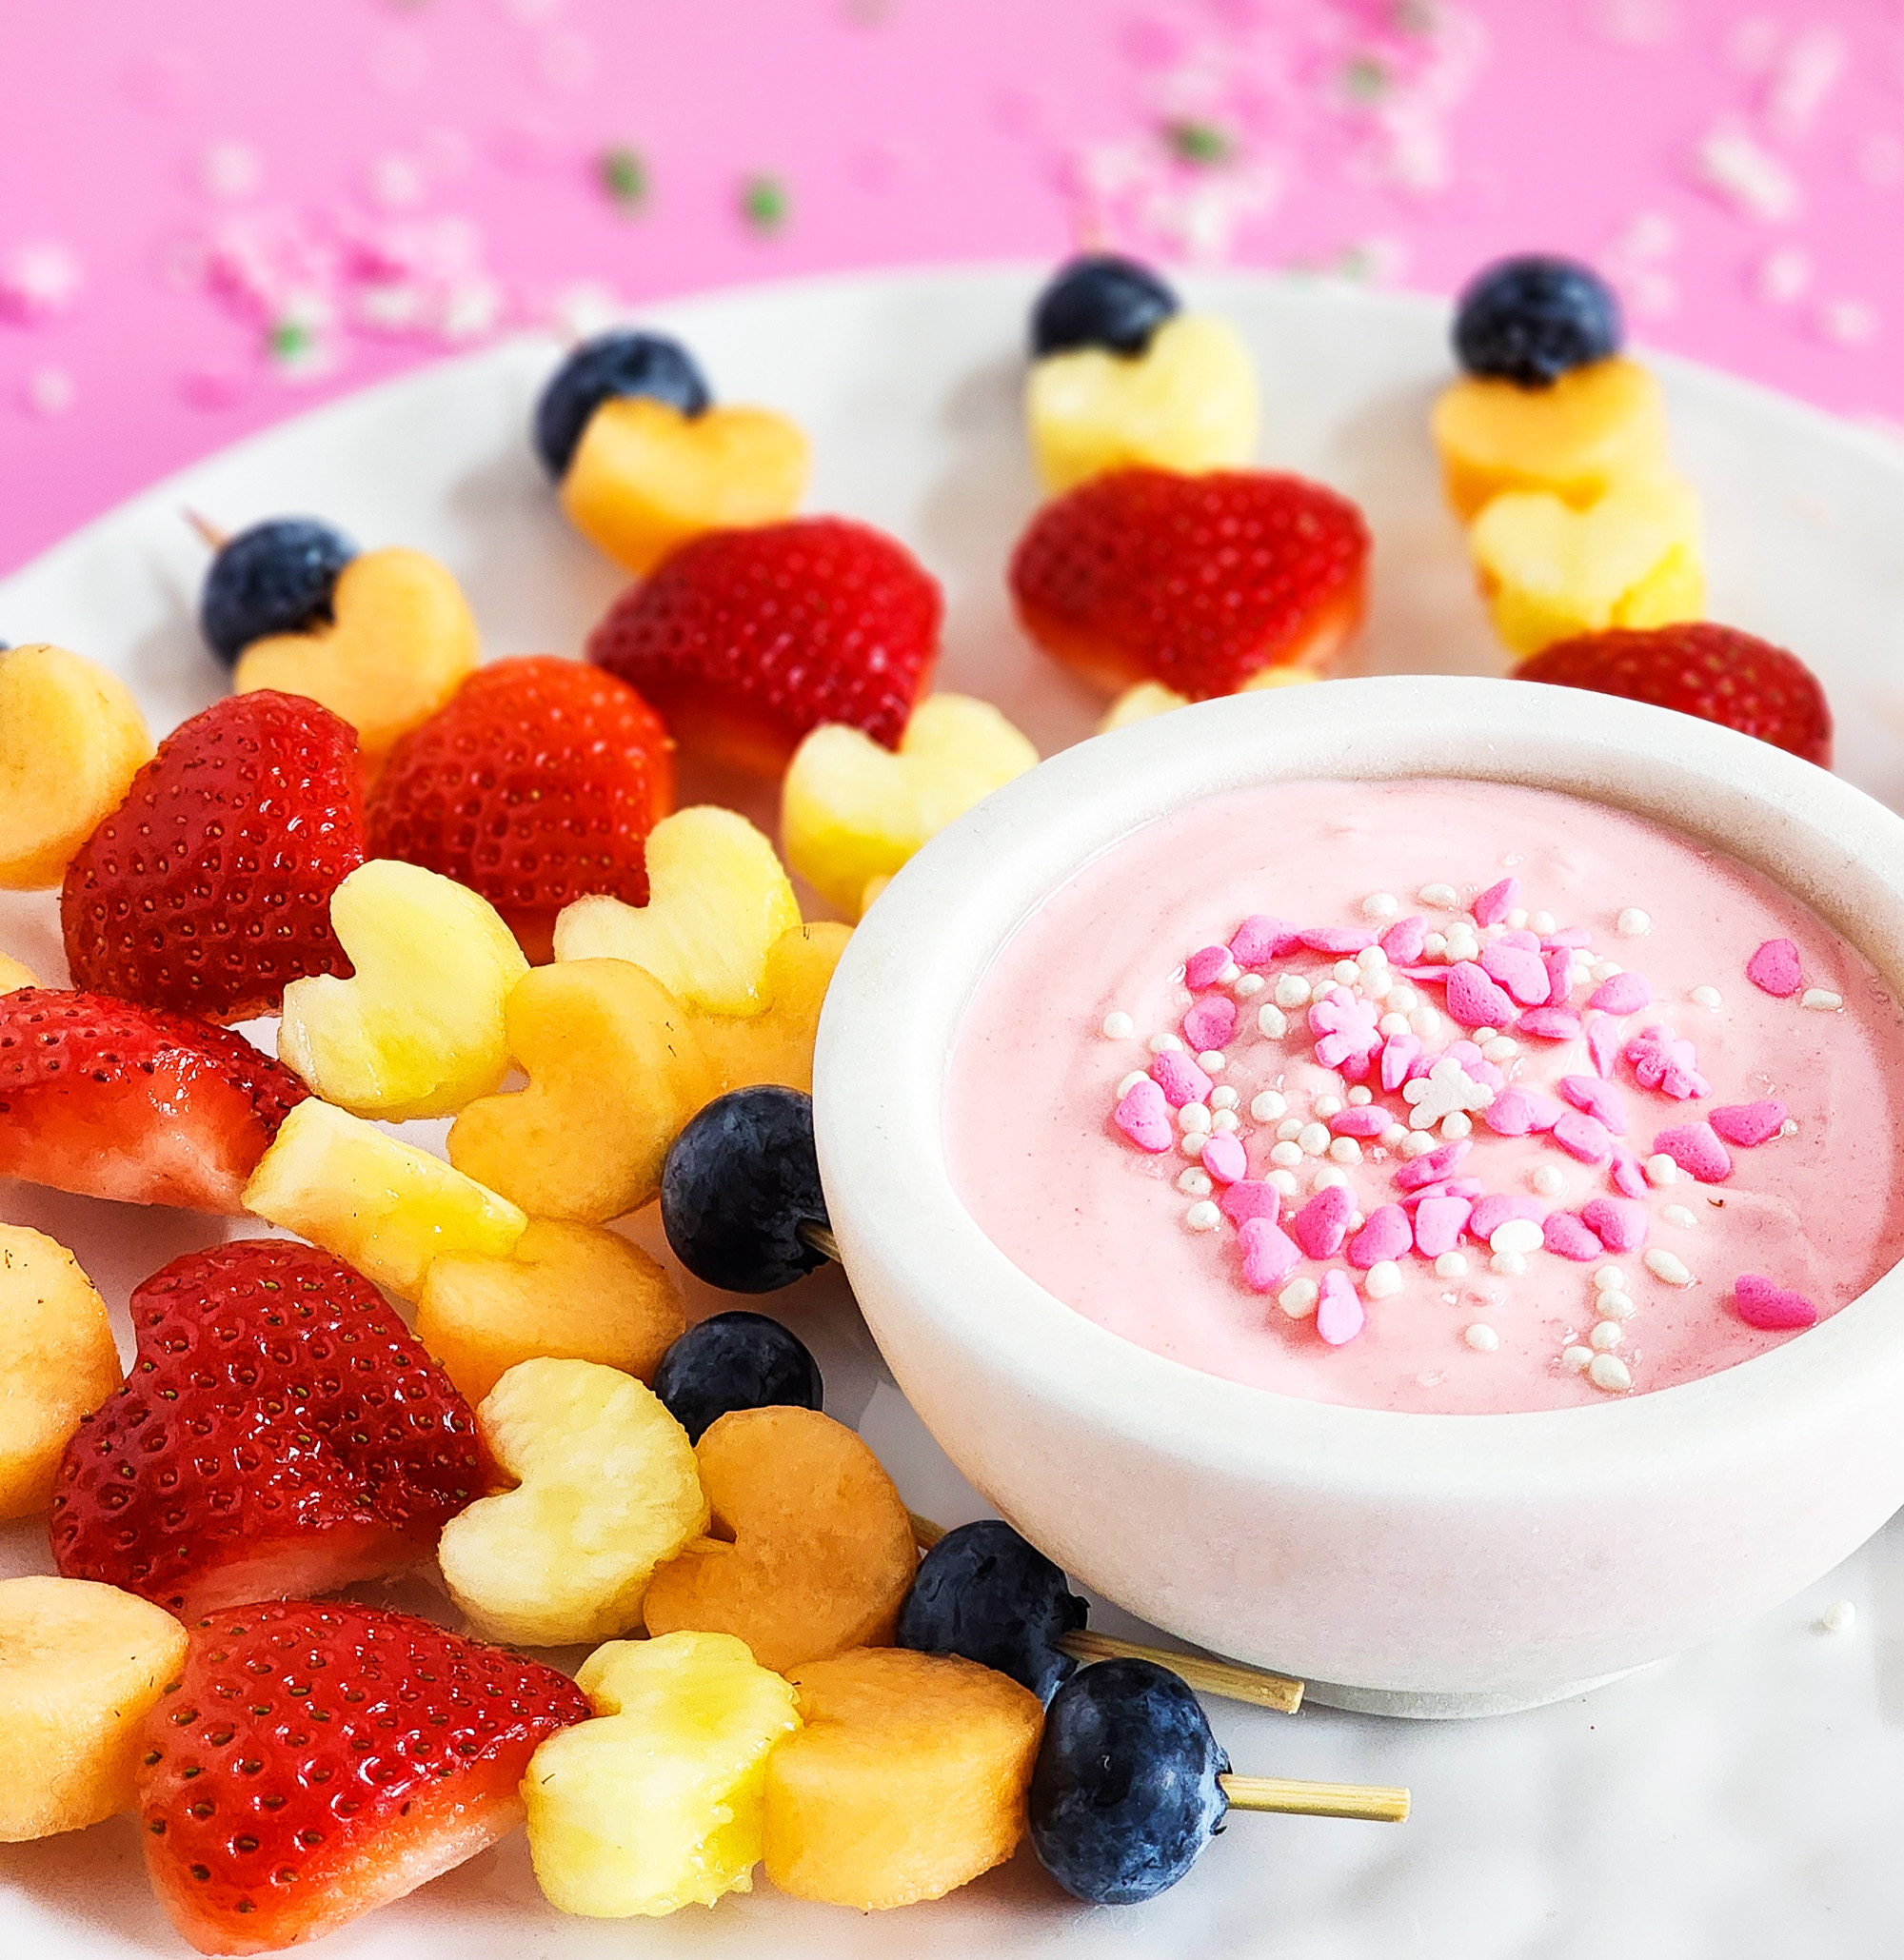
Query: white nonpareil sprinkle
1435, 944
1247, 984
1394, 1022
1614, 1304
1517, 919
1704, 997
1384, 1281
1606, 1335
1323, 1107
1292, 990
1225, 1098
1193, 1116
1452, 1265
1610, 1373
1542, 922
1788, 1128
1129, 1082
1423, 1020
1502, 1048
1603, 970
1356, 1220
1287, 1155
1481, 1037
1481, 1337
1667, 1266
1609, 1279
1442, 898
1313, 1138
1660, 1169
1370, 958
1225, 1120
1289, 1129
1203, 1216
1162, 1044
1679, 1214
1577, 1358
1394, 1137
1378, 982
1297, 1299
1380, 905
1119, 1027
1269, 1106
1632, 923
1346, 972
1821, 999
1510, 1265
1326, 1178
1840, 1617
1283, 1181
1361, 1095
1417, 1143
1271, 1022
1517, 1234
1191, 1144
1548, 1181
1345, 1150
1402, 998
1455, 1125
1231, 972
1213, 1061
1193, 1183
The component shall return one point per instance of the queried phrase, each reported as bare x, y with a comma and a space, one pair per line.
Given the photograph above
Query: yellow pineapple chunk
567, 1293
813, 1550
417, 1030
615, 1070
1188, 402
401, 642
645, 478
81, 1666
1596, 428
57, 1363
374, 1201
605, 1491
718, 900
71, 739
777, 1045
906, 1778
851, 811
657, 1803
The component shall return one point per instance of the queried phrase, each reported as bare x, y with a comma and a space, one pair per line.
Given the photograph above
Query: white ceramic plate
1737, 1801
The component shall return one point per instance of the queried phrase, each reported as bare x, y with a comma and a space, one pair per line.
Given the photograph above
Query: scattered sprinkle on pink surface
1347, 1031
1491, 1214
1210, 1023
1660, 1059
1387, 1235
1496, 903
1269, 1254
1145, 1117
1339, 1311
1625, 993
1320, 1226
1260, 939
1549, 1023
1776, 969
1762, 1303
1583, 1136
1474, 1000
1749, 1124
1179, 1078
1224, 1157
1250, 1199
1600, 1099
1399, 1054
1521, 972
1626, 1174
1362, 1121
1341, 941
1202, 969
1403, 940
1571, 1236
1696, 1148
1433, 1167
1559, 967
1439, 1224
1619, 1223
1603, 1039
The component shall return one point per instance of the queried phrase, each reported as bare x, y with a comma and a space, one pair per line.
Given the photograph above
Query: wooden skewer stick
1234, 1683
214, 539
819, 1237
1369, 1803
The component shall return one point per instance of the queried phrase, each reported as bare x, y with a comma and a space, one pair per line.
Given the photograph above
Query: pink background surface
215, 212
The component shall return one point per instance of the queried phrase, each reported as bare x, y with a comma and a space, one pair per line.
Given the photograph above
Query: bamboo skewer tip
1368, 1803
209, 534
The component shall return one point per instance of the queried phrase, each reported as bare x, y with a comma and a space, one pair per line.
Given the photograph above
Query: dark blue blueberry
1125, 1795
986, 1592
619, 363
739, 1183
1530, 320
275, 578
738, 1360
1100, 301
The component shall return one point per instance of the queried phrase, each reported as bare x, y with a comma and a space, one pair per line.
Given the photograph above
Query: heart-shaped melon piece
812, 1550
1188, 402
644, 477
775, 1046
401, 642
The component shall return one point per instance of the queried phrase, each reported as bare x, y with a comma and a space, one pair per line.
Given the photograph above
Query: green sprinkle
763, 204
1201, 142
1365, 79
624, 177
1418, 17
289, 340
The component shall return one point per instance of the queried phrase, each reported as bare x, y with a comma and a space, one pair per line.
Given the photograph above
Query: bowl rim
903, 986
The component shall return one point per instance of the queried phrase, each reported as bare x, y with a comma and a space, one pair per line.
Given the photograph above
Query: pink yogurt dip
1783, 1109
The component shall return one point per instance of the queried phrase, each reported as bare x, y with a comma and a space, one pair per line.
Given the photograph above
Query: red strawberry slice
1715, 672
538, 784
208, 888
1198, 581
283, 1435
745, 640
114, 1100
313, 1763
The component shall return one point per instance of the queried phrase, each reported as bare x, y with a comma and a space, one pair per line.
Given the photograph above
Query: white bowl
1416, 1564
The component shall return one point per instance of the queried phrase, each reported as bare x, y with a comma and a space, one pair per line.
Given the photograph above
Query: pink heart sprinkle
1603, 1039
1749, 1124
1491, 1214
1248, 1198
1474, 1000
1179, 1078
1496, 903
1210, 1023
1760, 1303
1387, 1235
1224, 1157
1560, 977
1321, 1224
1404, 939
1344, 941
1269, 1254
1338, 1312
1468, 1188
1399, 1054
1361, 1119
1432, 1166
1776, 969
1522, 973
1438, 1223
1625, 993
1144, 1117
1529, 940
1202, 969
1572, 1237
1549, 1023
1511, 1114
1696, 1148
1620, 1226
1571, 936
1626, 1174
1583, 1136
1600, 1099
1260, 939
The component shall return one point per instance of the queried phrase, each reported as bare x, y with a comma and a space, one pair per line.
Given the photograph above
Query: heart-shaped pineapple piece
1630, 559
775, 1046
718, 900
1146, 700
1188, 402
401, 642
644, 477
852, 811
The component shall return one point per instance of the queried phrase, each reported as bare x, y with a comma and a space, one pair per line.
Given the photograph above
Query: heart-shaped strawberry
207, 890
281, 1434
1198, 581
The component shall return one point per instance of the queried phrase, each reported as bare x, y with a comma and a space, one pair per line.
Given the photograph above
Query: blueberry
986, 1592
737, 1360
1125, 1795
618, 363
739, 1183
275, 578
1100, 301
1530, 320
